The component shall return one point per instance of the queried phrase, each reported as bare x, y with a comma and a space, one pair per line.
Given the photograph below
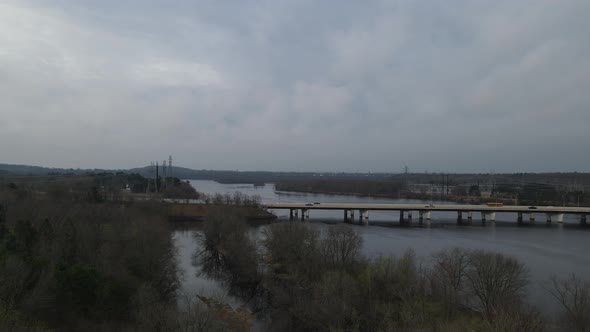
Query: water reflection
237, 274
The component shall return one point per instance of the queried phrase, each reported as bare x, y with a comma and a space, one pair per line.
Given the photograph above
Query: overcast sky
297, 85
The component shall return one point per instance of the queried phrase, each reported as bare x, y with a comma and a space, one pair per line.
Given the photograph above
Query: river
546, 250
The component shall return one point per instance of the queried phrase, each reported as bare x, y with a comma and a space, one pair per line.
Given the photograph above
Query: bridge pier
366, 219
560, 218
290, 214
401, 217
345, 216
361, 216
519, 218
485, 216
583, 220
492, 216
303, 214
548, 216
459, 217
409, 217
532, 218
296, 213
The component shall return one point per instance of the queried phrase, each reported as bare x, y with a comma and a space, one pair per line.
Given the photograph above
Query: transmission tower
150, 172
156, 178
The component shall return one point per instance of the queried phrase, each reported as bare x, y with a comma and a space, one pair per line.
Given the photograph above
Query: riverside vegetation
296, 278
77, 256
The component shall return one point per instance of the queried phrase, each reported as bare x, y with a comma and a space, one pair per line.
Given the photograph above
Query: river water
546, 250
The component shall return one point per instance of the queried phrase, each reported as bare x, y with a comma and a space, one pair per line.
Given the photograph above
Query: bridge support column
519, 218
560, 218
307, 214
296, 214
459, 217
361, 216
532, 218
583, 220
483, 217
366, 219
421, 217
401, 217
409, 217
290, 214
548, 215
352, 216
345, 216
303, 214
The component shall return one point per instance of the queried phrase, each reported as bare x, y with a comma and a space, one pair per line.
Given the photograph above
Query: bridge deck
427, 207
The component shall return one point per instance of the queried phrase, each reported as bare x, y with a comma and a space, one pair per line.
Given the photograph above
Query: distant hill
10, 169
248, 176
570, 179
221, 176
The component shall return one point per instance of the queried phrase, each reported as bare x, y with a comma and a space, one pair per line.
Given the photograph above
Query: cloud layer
297, 85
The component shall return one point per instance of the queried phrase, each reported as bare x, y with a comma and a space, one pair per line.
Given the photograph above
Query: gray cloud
297, 85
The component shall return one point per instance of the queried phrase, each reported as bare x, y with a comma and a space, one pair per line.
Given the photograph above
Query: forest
76, 256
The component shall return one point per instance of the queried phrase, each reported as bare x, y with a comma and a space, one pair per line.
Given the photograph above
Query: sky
297, 85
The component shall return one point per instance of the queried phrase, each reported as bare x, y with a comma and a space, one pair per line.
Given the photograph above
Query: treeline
72, 258
396, 187
380, 188
83, 264
298, 278
236, 198
543, 194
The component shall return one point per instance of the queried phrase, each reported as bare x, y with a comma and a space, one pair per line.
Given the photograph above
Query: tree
449, 274
341, 247
574, 296
474, 190
496, 281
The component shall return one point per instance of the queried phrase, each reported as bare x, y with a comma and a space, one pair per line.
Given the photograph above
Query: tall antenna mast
151, 169
170, 166
156, 179
164, 174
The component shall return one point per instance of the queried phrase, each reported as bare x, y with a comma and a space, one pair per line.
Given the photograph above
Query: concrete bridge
465, 213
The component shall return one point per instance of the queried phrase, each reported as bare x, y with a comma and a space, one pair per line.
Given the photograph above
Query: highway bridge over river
465, 213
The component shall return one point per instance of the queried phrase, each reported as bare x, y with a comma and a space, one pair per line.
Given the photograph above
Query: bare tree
341, 246
574, 296
496, 281
449, 273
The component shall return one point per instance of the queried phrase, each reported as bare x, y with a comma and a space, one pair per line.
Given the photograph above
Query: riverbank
410, 196
295, 281
200, 212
